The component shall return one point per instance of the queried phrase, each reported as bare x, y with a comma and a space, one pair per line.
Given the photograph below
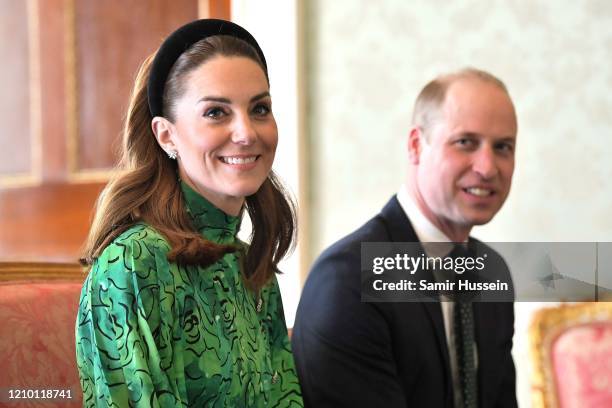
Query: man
358, 354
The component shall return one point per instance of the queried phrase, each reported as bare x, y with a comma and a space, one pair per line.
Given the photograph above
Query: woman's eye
261, 110
214, 113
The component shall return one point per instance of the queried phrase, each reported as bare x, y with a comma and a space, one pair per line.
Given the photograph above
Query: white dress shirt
427, 232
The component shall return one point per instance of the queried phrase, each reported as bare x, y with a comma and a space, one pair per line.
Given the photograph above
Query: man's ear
163, 130
415, 144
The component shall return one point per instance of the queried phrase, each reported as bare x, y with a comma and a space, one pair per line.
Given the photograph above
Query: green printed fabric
151, 333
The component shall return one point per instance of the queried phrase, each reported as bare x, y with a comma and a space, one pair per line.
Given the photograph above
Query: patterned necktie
464, 343
464, 347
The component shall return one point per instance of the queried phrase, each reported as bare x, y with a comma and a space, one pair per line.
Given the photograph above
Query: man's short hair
427, 107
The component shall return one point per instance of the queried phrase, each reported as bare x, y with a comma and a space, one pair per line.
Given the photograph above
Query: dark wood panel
15, 90
113, 37
48, 222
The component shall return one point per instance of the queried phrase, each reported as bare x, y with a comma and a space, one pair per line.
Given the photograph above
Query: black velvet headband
178, 42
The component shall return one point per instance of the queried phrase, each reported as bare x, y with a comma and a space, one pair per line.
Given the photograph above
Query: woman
176, 311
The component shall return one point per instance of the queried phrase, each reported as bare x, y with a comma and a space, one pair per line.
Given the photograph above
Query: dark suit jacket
354, 354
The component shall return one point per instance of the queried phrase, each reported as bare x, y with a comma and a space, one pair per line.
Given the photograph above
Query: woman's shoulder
140, 242
143, 233
132, 271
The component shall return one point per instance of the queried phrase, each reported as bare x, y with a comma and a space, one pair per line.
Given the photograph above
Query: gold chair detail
571, 352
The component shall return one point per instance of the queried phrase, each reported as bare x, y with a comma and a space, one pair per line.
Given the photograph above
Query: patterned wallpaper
366, 62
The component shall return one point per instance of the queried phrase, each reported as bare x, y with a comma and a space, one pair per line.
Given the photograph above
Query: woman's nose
244, 131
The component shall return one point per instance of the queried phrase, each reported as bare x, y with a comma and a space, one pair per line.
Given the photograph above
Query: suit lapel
486, 317
400, 230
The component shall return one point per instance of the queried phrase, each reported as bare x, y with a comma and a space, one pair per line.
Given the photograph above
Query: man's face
466, 159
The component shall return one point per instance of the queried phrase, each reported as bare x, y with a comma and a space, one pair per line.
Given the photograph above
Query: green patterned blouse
151, 333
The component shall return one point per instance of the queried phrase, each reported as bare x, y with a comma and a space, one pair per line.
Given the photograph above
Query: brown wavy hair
146, 186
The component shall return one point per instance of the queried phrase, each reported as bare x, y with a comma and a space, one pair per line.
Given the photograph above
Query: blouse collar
211, 222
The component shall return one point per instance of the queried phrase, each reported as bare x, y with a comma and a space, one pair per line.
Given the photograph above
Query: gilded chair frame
546, 326
40, 271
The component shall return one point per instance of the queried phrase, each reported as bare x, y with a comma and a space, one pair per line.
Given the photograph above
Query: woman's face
224, 131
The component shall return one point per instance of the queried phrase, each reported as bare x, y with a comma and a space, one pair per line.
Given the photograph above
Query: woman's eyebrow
221, 99
214, 99
260, 96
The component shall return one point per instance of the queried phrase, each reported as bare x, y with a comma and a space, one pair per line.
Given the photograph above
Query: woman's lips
238, 159
242, 162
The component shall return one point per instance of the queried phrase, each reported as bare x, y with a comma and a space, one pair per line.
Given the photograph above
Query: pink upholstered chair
38, 306
571, 348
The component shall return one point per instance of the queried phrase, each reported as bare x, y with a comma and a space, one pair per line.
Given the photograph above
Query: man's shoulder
345, 254
373, 230
343, 258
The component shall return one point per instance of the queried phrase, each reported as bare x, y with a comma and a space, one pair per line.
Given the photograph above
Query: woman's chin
244, 190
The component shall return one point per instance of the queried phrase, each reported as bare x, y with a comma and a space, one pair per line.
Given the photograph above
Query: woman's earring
173, 154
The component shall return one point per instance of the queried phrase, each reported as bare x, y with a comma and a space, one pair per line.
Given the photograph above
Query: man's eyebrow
506, 139
475, 135
221, 99
472, 135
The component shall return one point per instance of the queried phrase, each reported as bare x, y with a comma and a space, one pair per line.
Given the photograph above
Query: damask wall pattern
367, 60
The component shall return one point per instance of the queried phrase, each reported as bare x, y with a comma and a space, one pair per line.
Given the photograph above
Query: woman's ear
164, 132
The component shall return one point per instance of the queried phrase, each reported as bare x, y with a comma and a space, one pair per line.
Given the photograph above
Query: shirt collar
424, 229
211, 222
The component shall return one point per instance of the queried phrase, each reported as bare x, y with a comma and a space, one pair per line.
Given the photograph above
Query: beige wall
367, 60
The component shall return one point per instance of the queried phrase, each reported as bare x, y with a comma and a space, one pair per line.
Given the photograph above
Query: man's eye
261, 110
465, 142
214, 113
505, 147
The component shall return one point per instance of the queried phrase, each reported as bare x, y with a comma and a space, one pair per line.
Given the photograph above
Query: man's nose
485, 162
243, 131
